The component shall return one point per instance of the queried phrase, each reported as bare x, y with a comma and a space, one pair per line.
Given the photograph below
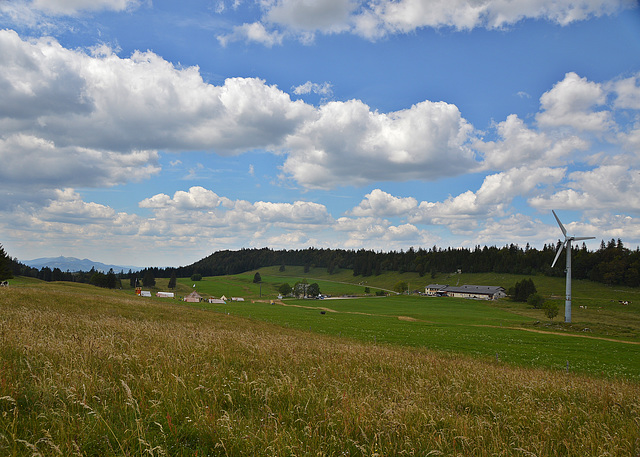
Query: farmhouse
435, 289
471, 291
193, 297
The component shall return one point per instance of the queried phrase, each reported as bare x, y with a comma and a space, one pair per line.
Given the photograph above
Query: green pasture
503, 330
94, 372
452, 325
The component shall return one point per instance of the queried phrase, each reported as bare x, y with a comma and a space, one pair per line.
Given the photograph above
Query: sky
155, 132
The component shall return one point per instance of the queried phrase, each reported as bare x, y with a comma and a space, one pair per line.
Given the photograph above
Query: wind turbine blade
580, 238
564, 231
557, 255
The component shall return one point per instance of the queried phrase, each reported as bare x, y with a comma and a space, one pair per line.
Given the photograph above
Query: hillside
88, 371
612, 264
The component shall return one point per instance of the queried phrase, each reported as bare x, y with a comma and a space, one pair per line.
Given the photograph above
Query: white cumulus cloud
373, 20
571, 103
348, 144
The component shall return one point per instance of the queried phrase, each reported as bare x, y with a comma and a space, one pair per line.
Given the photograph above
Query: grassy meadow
92, 372
603, 340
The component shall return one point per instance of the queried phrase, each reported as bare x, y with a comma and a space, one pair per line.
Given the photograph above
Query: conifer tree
5, 263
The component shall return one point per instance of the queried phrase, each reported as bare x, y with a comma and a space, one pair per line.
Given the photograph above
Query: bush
536, 301
551, 310
401, 287
285, 289
196, 277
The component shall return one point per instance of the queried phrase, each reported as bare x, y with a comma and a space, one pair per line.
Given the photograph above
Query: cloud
570, 103
109, 109
143, 102
328, 16
515, 229
302, 19
224, 210
196, 198
462, 212
627, 92
67, 206
520, 145
308, 87
381, 204
72, 7
427, 141
376, 233
605, 188
254, 32
405, 16
45, 14
32, 161
98, 118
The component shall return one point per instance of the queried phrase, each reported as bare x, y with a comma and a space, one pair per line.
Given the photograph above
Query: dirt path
575, 335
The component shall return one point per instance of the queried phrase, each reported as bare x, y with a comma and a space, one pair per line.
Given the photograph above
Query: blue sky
157, 132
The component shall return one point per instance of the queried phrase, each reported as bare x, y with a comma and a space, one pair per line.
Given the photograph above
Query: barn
193, 297
471, 291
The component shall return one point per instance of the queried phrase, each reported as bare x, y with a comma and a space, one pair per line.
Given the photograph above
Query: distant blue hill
73, 264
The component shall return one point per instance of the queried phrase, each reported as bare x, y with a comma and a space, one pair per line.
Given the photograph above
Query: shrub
536, 301
551, 310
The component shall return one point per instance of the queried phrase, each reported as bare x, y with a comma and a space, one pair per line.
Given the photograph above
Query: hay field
86, 371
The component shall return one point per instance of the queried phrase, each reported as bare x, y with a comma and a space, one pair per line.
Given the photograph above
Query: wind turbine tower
567, 242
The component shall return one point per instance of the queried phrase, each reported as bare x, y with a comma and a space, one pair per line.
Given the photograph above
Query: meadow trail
546, 332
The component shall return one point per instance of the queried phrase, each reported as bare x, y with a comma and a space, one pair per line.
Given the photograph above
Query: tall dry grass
105, 375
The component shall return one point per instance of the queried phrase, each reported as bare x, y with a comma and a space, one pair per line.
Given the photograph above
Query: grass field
603, 339
87, 371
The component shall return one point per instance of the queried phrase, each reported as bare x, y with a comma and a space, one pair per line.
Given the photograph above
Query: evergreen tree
110, 280
5, 262
257, 278
523, 289
172, 280
148, 280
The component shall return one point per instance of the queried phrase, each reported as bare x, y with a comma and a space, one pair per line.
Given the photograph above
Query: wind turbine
567, 242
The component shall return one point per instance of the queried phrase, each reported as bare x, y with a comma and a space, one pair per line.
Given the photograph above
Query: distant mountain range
73, 264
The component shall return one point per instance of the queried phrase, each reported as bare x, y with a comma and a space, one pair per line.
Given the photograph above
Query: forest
611, 264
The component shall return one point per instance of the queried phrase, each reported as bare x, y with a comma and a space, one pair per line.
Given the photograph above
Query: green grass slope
87, 371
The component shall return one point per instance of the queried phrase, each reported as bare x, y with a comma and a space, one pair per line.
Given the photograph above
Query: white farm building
466, 291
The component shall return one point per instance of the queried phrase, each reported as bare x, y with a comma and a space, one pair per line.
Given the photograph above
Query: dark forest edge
611, 264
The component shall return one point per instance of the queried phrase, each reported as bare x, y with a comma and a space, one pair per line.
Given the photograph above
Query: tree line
612, 263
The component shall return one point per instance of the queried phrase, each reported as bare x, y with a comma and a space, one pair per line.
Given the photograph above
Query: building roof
436, 286
471, 289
